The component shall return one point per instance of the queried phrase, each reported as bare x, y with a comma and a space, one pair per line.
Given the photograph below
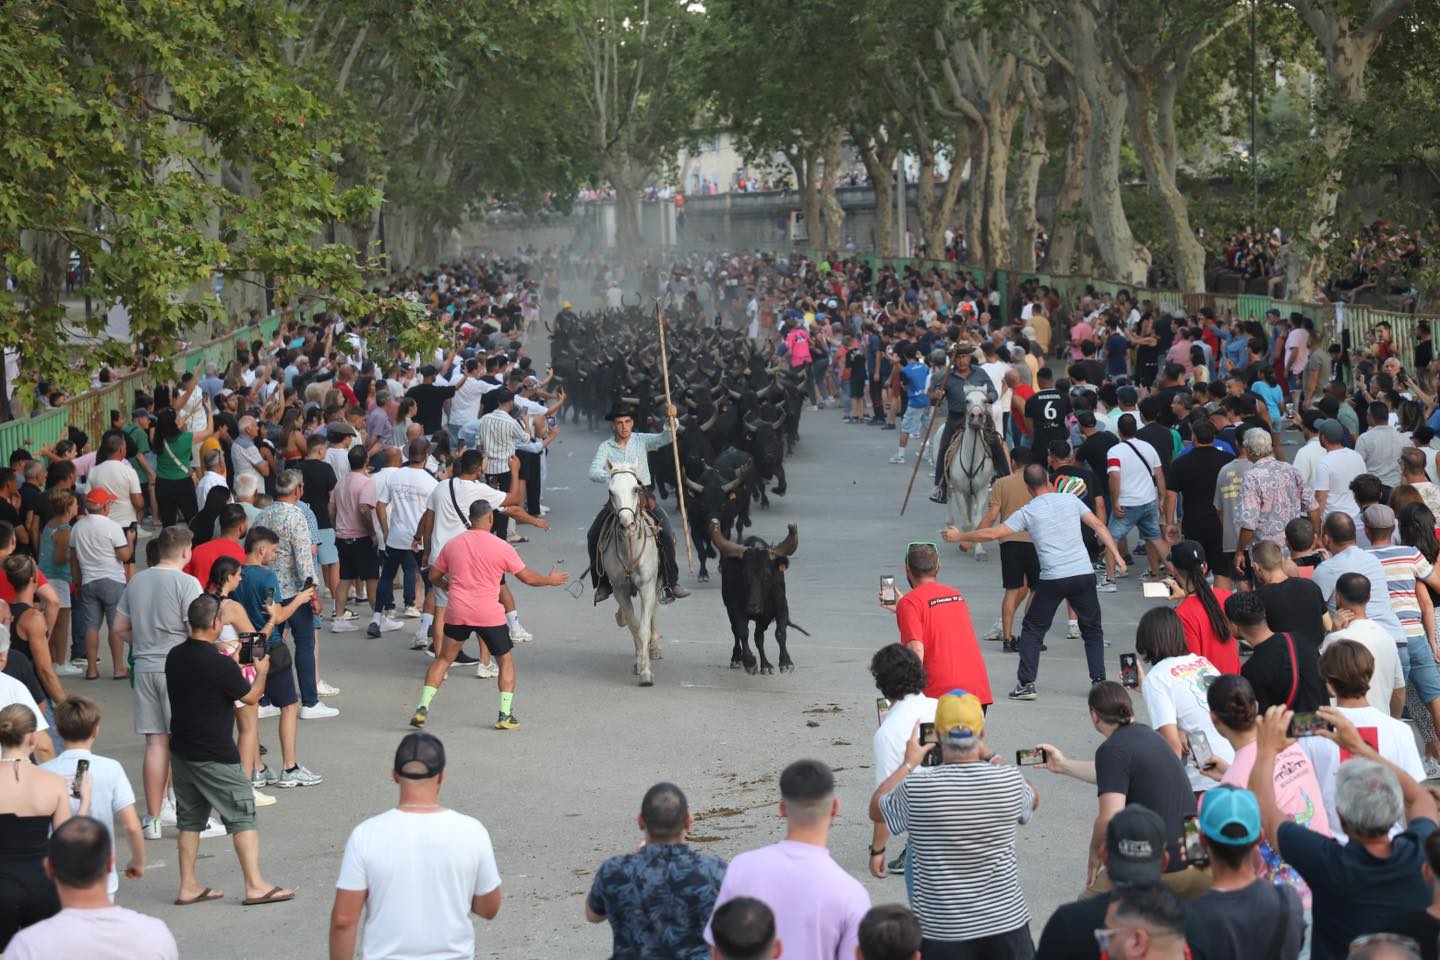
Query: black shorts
496, 639
358, 559
1223, 565
1019, 565
857, 385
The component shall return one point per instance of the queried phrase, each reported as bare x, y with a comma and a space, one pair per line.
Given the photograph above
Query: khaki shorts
152, 704
205, 785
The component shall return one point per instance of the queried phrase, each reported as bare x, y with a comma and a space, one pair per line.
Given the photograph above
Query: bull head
740, 476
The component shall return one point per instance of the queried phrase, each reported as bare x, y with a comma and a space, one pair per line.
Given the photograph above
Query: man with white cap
953, 811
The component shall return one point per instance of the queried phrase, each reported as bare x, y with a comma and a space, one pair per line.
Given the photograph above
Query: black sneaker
1023, 691
1010, 646
897, 866
888, 426
465, 660
373, 630
417, 720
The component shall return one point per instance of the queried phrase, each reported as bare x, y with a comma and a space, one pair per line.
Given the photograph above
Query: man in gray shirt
1381, 445
151, 618
1053, 521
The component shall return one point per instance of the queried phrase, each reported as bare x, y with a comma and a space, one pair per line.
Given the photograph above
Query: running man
470, 570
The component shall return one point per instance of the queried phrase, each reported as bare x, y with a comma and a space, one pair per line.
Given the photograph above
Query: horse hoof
750, 668
647, 679
736, 664
767, 670
787, 668
655, 655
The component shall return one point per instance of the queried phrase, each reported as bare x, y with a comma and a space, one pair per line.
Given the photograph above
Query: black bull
752, 584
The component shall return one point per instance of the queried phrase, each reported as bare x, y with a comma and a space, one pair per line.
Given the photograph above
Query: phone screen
1129, 671
927, 735
1200, 749
882, 707
1306, 725
887, 590
1029, 758
1154, 591
1194, 851
82, 767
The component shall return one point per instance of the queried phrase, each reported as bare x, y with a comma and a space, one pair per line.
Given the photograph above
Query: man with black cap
631, 451
443, 871
1134, 856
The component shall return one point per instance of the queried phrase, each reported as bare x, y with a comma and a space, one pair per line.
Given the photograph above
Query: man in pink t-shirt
469, 573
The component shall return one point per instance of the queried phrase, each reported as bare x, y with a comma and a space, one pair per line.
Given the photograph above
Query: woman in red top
1202, 609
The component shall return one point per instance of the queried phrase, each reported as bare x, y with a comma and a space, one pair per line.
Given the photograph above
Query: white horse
630, 555
973, 466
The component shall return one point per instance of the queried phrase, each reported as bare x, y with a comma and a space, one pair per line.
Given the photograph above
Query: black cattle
768, 449
722, 493
752, 584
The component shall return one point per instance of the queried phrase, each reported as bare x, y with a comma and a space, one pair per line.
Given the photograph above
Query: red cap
99, 496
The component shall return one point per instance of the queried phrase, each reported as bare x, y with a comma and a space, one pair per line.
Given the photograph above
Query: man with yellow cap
961, 816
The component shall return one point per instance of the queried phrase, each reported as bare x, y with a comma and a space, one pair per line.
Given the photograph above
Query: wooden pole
674, 444
929, 427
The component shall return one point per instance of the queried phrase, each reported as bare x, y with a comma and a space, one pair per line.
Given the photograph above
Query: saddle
989, 437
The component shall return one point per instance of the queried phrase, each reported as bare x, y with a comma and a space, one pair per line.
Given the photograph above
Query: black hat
1187, 555
420, 756
1134, 846
619, 410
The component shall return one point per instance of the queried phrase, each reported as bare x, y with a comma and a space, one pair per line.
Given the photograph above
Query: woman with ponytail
1201, 609
1174, 691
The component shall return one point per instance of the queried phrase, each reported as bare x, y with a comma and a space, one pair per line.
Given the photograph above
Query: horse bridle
619, 511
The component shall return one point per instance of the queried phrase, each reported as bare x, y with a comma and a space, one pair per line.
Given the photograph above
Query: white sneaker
325, 689
421, 641
351, 614
268, 710
488, 671
1072, 630
1106, 586
996, 633
898, 458
520, 635
151, 828
213, 828
544, 510
318, 712
387, 624
343, 626
263, 799
167, 812
413, 612
68, 670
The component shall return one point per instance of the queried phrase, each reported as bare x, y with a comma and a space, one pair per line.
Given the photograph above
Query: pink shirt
1082, 331
1297, 791
798, 340
1298, 341
475, 561
355, 491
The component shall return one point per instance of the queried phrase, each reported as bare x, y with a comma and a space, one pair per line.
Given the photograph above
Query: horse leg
956, 508
640, 614
655, 632
976, 514
765, 666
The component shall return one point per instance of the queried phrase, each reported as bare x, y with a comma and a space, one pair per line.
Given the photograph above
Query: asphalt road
561, 793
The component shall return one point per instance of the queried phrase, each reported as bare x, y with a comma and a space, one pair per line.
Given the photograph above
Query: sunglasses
921, 543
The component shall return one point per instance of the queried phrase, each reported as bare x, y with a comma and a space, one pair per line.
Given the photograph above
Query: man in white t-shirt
1387, 679
900, 678
417, 860
1346, 667
400, 504
114, 473
1137, 488
102, 549
1335, 470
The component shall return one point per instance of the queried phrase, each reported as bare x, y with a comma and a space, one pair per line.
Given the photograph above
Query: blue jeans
302, 630
397, 558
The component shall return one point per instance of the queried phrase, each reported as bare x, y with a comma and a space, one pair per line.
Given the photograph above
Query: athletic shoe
465, 660
78, 662
1023, 691
318, 712
343, 626
268, 710
150, 826
413, 612
996, 632
1139, 552
418, 720
213, 828
1432, 769
1072, 630
263, 777
544, 510
351, 614
263, 799
1146, 576
898, 458
1010, 646
1106, 586
507, 721
421, 641
68, 670
325, 689
389, 623
888, 426
897, 866
519, 634
299, 777
487, 671
373, 630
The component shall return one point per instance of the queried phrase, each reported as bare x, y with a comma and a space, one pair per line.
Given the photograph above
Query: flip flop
88, 677
204, 896
268, 898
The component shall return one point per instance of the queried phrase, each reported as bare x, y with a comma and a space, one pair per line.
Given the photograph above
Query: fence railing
90, 411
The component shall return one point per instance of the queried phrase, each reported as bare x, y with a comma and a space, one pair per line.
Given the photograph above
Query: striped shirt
499, 432
1403, 566
961, 820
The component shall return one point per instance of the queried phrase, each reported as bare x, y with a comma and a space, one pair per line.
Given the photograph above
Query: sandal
92, 676
204, 896
270, 897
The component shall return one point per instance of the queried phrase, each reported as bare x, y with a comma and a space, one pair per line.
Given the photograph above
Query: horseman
964, 376
628, 450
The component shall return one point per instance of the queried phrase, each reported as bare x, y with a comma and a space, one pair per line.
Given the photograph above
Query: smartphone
310, 584
882, 707
1200, 750
1029, 758
1154, 590
1306, 725
269, 596
927, 735
1194, 850
253, 647
1129, 671
887, 591
82, 767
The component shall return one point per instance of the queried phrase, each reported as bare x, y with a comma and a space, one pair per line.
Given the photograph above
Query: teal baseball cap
1230, 816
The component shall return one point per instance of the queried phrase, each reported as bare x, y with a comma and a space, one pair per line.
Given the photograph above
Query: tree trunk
1065, 229
1033, 155
803, 163
1000, 125
878, 159
970, 147
936, 208
834, 213
1346, 75
1151, 105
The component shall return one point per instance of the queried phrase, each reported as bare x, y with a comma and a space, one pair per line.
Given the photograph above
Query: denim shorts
1424, 675
327, 552
913, 421
1145, 518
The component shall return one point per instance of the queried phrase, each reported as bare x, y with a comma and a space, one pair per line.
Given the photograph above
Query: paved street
561, 793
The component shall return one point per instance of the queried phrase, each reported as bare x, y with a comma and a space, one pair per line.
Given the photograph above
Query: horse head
977, 407
626, 494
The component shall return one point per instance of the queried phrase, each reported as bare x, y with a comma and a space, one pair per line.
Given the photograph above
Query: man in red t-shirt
934, 621
1019, 393
230, 543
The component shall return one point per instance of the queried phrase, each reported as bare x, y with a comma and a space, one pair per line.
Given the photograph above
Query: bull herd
739, 415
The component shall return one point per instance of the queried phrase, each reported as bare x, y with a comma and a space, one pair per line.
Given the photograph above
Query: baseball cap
420, 756
1086, 418
1135, 846
428, 370
1272, 312
99, 496
959, 710
1379, 517
1127, 394
1331, 430
1227, 808
1187, 555
139, 412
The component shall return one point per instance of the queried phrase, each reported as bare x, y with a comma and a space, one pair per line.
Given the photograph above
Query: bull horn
787, 546
726, 548
708, 424
729, 487
734, 394
693, 487
763, 392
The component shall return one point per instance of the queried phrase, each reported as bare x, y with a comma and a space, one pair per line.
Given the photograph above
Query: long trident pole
929, 428
674, 442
